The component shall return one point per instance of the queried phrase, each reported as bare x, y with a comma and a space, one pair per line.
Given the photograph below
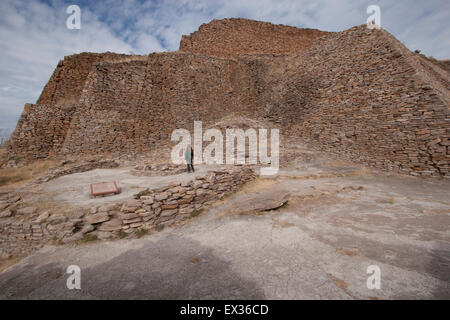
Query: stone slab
104, 188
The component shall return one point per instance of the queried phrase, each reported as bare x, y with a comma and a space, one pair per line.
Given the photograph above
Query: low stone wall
149, 209
161, 169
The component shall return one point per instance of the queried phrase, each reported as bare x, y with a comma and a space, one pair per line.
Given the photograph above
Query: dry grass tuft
19, 176
386, 200
87, 238
338, 282
6, 263
362, 171
335, 162
351, 252
52, 207
281, 224
194, 260
197, 212
141, 232
249, 187
256, 185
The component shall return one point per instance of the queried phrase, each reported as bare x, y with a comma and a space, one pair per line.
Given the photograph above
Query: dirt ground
339, 220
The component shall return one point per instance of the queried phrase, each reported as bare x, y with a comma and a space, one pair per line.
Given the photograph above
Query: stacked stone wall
40, 131
68, 79
371, 104
235, 37
359, 93
133, 107
23, 228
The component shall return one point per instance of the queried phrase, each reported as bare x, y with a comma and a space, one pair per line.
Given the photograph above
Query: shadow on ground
176, 268
19, 282
439, 267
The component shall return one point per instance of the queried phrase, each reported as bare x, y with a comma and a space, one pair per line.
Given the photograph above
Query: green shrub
141, 232
122, 234
196, 212
88, 238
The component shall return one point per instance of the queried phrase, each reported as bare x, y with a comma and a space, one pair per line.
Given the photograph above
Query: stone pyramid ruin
359, 93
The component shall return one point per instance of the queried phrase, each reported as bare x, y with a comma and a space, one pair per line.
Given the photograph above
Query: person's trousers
190, 167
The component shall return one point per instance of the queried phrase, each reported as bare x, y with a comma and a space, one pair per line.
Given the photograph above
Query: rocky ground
309, 233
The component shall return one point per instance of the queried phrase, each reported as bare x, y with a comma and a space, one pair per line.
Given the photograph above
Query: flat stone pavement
318, 246
74, 189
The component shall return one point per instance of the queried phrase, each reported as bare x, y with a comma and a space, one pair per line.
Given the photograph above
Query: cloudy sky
34, 36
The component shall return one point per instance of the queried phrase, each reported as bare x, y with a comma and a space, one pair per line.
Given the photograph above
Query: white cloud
34, 37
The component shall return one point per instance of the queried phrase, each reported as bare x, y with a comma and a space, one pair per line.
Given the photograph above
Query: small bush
196, 212
141, 232
122, 234
88, 238
56, 241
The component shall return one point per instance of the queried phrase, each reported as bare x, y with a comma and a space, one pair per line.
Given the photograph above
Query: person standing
189, 156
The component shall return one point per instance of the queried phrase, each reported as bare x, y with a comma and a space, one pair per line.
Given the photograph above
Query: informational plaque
104, 188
